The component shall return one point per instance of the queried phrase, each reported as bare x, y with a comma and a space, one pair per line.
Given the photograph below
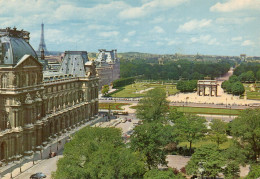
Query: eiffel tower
42, 43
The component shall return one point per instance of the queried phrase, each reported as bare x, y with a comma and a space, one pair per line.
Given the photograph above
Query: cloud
247, 43
171, 42
234, 20
237, 38
149, 7
205, 39
108, 34
132, 23
126, 40
159, 43
131, 33
236, 5
194, 25
157, 20
158, 29
99, 27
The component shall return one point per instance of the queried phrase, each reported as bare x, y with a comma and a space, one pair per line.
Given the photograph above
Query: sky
209, 27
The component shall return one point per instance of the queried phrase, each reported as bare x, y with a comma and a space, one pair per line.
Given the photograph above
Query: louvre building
37, 105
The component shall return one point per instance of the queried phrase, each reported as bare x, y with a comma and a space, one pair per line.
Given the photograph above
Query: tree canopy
207, 159
105, 89
150, 139
187, 86
218, 131
99, 153
246, 127
173, 69
154, 106
190, 128
159, 174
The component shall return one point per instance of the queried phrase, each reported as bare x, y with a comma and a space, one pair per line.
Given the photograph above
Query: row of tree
173, 69
233, 86
248, 72
187, 85
123, 82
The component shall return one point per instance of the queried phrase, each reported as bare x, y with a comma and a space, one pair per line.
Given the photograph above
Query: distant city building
243, 57
108, 67
35, 105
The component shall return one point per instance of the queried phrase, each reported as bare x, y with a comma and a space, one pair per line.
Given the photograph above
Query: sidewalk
14, 169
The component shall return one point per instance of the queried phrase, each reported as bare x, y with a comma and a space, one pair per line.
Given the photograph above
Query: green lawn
113, 106
252, 94
204, 141
199, 110
134, 89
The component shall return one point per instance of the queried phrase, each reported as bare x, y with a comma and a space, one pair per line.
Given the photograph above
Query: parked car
38, 175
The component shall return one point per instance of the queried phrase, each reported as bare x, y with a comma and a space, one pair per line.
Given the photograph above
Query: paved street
27, 166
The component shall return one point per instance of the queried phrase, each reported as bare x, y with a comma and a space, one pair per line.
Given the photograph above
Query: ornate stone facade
108, 67
36, 106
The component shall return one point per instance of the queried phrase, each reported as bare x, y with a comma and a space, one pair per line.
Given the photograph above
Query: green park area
206, 141
252, 91
113, 106
140, 89
199, 110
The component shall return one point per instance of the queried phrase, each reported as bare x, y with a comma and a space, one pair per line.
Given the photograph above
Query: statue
28, 99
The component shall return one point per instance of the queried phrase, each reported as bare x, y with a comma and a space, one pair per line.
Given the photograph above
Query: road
48, 165
27, 166
178, 104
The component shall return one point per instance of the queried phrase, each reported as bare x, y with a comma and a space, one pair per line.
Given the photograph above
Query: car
38, 175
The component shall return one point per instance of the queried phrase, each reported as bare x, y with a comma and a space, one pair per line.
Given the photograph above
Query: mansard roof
73, 63
105, 56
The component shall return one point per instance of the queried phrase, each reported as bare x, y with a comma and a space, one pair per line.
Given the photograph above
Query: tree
232, 171
159, 174
250, 76
246, 128
218, 131
150, 139
187, 86
234, 157
190, 128
258, 75
254, 172
99, 153
233, 79
105, 89
207, 157
243, 77
174, 114
154, 106
238, 88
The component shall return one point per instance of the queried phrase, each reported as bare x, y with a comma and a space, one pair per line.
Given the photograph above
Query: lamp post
229, 111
